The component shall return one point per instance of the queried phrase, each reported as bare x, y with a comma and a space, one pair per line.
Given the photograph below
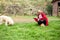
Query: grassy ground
31, 31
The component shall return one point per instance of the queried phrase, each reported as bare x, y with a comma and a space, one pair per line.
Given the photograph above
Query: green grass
31, 31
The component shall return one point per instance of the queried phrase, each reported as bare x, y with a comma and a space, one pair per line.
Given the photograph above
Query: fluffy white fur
7, 20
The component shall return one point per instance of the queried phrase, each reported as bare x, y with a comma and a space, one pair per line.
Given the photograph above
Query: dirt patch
22, 19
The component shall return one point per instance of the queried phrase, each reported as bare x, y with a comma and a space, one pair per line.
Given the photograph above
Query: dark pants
40, 22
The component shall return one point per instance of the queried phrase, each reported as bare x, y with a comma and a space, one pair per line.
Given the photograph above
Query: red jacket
43, 17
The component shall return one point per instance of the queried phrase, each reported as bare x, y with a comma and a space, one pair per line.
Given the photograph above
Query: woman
42, 19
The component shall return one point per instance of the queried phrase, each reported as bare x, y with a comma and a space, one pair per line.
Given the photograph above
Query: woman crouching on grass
41, 18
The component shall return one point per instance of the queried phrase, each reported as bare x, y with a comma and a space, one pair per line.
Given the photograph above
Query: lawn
31, 31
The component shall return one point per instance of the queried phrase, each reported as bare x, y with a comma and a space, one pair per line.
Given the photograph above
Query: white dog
7, 20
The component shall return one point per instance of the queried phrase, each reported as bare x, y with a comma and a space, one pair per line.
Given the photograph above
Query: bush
1, 8
49, 9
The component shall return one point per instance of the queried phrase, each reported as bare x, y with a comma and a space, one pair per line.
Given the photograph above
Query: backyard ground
25, 28
30, 18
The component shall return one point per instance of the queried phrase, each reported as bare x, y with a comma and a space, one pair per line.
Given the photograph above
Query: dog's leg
1, 22
6, 23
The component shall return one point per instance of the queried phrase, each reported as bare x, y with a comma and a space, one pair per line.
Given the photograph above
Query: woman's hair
39, 11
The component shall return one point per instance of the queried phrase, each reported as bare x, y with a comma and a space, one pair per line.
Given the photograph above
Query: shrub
49, 9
